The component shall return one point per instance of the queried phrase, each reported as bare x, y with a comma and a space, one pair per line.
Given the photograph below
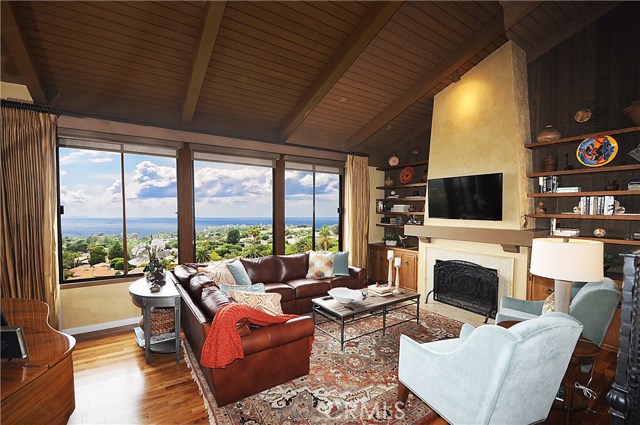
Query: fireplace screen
466, 285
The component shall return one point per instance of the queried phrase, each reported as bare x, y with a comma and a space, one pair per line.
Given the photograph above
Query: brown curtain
28, 231
357, 206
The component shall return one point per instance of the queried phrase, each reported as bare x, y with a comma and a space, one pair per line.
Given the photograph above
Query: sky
91, 186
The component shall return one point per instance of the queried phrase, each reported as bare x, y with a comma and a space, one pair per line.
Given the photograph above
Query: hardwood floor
114, 385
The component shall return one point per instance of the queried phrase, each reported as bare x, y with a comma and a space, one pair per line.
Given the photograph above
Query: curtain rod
25, 106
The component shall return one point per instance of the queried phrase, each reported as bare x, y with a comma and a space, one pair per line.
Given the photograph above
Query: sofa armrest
266, 337
531, 307
359, 274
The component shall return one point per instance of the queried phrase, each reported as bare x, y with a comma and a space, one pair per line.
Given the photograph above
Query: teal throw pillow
341, 264
239, 272
256, 287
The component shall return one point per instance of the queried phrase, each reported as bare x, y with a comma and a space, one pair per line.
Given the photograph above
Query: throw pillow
218, 273
549, 304
320, 264
267, 302
341, 264
256, 287
239, 273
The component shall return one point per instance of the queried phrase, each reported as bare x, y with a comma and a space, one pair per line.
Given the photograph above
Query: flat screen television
476, 197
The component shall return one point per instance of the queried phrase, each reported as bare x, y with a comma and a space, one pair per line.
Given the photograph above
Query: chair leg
403, 393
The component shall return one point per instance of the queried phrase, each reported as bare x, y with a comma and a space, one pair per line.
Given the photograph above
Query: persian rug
354, 386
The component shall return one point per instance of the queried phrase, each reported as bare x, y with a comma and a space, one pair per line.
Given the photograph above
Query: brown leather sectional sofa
273, 354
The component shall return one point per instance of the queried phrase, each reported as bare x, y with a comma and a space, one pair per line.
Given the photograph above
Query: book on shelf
597, 205
568, 189
548, 184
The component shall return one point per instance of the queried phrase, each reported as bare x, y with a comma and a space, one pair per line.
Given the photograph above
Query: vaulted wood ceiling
346, 75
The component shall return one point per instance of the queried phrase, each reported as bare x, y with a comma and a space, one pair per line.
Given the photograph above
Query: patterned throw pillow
256, 287
267, 302
549, 304
320, 264
218, 273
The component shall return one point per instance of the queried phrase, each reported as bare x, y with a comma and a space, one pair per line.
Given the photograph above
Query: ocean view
87, 226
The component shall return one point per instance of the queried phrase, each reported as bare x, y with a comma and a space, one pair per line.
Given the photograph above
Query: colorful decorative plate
406, 175
597, 151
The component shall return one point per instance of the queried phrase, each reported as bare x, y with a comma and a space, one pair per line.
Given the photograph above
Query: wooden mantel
510, 239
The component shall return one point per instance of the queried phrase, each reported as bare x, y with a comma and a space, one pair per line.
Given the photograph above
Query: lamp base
562, 295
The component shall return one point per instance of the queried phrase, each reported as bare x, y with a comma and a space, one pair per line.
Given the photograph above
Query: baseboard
102, 329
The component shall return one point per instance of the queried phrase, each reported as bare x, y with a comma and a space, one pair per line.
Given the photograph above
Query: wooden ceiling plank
575, 25
458, 57
355, 44
21, 54
515, 11
212, 17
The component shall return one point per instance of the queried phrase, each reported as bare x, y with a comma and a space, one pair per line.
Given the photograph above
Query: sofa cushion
183, 273
320, 264
268, 303
261, 269
219, 273
346, 282
294, 266
287, 292
256, 287
239, 272
310, 287
198, 282
213, 299
341, 264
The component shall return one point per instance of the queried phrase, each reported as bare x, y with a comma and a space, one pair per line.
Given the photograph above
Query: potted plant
390, 239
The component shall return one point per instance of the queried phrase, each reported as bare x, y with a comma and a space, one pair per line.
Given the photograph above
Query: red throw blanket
223, 344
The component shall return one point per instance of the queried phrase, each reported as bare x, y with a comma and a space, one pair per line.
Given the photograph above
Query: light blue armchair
593, 304
491, 375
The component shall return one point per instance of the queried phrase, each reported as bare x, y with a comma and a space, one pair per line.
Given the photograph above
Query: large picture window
233, 210
312, 202
115, 206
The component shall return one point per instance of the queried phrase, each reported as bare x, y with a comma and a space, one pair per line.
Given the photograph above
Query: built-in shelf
412, 199
616, 241
401, 213
629, 217
578, 194
393, 226
400, 167
582, 137
616, 168
402, 186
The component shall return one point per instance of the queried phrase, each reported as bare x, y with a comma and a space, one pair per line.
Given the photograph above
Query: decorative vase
540, 208
388, 181
612, 185
390, 243
633, 112
550, 162
547, 134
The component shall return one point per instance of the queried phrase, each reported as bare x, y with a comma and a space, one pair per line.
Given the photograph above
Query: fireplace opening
466, 285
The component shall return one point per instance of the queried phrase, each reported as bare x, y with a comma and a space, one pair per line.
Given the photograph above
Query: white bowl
345, 295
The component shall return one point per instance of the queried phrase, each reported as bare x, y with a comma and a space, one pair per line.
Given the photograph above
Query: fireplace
466, 285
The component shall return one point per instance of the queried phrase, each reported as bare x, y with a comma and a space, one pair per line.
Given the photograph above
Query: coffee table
371, 306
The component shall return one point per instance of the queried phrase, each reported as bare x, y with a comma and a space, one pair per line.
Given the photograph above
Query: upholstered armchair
593, 304
490, 374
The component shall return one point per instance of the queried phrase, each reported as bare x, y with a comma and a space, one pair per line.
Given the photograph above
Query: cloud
237, 183
152, 181
68, 196
99, 160
301, 182
78, 156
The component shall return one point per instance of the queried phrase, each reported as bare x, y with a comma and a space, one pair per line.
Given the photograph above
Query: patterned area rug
354, 386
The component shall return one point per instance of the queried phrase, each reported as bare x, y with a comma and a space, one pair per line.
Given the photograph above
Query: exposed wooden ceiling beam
212, 17
464, 52
571, 28
515, 11
21, 54
358, 40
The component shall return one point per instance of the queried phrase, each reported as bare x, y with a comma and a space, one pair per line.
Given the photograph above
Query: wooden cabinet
379, 265
539, 288
590, 183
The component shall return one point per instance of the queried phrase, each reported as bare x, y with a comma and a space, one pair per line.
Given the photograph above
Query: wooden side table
168, 296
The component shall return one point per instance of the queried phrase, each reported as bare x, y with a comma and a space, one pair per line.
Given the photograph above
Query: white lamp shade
567, 259
390, 254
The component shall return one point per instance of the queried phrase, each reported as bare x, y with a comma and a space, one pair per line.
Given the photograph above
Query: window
233, 208
312, 202
106, 226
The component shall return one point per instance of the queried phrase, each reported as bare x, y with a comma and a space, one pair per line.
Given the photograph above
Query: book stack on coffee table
380, 290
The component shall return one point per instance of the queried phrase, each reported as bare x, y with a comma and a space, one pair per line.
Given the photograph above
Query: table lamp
567, 260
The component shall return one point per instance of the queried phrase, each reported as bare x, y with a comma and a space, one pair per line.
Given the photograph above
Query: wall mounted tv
477, 197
